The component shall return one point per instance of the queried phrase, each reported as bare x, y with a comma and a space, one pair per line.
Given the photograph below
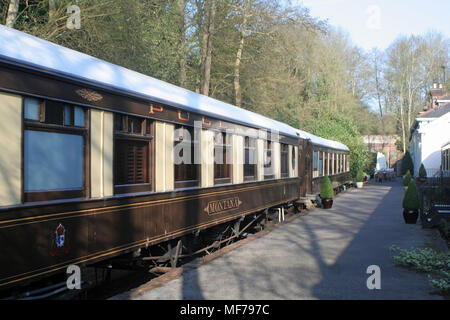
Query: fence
434, 192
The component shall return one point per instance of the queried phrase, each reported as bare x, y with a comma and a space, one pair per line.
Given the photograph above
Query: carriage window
321, 156
187, 172
335, 170
54, 157
268, 169
131, 154
222, 161
339, 158
284, 151
33, 109
250, 159
315, 163
293, 157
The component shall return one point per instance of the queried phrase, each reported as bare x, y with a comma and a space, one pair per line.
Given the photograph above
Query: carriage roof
40, 54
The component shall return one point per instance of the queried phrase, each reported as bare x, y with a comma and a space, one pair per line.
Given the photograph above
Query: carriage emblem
60, 235
89, 95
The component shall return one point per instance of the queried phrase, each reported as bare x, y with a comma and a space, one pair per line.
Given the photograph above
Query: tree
411, 199
407, 164
407, 178
326, 189
422, 171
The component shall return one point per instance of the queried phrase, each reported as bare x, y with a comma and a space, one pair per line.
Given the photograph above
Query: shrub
429, 261
360, 176
326, 189
422, 171
407, 163
407, 178
411, 198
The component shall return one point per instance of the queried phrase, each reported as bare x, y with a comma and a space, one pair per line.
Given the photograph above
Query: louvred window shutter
131, 162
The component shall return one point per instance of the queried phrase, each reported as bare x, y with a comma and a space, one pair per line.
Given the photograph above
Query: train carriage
98, 160
329, 158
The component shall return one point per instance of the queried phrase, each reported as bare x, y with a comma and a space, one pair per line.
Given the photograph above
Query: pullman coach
99, 161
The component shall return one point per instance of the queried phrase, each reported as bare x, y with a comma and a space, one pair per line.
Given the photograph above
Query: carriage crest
60, 235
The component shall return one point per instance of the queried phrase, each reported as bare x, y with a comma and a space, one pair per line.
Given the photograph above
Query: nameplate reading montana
218, 206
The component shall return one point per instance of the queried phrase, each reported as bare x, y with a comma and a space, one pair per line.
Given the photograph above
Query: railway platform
322, 255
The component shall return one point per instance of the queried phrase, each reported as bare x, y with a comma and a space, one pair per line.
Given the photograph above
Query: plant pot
410, 216
327, 203
359, 185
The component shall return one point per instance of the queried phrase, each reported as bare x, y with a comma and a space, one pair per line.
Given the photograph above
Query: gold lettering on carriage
218, 206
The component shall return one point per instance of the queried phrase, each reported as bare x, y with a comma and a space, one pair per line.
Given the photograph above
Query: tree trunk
51, 9
13, 10
377, 83
182, 50
237, 64
208, 42
403, 122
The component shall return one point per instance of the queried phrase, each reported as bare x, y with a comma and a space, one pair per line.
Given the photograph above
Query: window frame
315, 163
144, 137
284, 160
250, 147
268, 149
321, 163
225, 169
180, 168
40, 125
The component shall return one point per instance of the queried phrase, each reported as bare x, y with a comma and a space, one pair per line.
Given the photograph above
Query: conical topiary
326, 189
422, 172
407, 178
411, 198
407, 163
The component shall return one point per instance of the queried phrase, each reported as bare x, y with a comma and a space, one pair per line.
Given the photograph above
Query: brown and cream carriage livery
97, 160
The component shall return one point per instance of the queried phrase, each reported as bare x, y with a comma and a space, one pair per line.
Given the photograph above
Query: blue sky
376, 23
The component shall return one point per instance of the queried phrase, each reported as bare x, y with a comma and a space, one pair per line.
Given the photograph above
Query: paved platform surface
323, 255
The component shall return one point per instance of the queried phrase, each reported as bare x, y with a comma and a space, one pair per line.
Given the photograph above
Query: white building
430, 132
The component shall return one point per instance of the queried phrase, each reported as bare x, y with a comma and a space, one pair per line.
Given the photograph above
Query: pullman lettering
218, 206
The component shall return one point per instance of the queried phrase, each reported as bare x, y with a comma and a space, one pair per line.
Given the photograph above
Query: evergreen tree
407, 178
407, 164
326, 189
411, 198
422, 171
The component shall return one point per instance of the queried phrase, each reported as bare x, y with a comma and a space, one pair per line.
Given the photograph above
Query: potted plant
422, 173
407, 178
359, 179
326, 193
411, 203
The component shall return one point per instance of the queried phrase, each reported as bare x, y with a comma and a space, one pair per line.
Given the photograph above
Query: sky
377, 23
